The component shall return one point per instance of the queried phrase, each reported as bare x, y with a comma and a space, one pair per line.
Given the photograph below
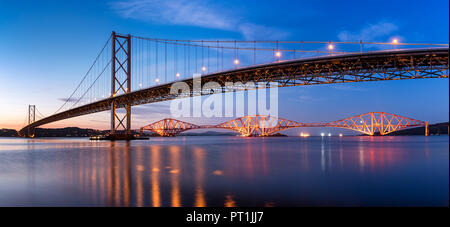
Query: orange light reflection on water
118, 174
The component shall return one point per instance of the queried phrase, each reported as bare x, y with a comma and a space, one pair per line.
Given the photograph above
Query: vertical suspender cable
254, 52
301, 47
207, 68
175, 61
196, 60
165, 62
217, 57
203, 58
189, 59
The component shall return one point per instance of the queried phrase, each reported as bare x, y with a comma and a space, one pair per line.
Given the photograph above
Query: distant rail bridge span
132, 70
373, 123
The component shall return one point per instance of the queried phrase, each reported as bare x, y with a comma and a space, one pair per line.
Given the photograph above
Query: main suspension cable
85, 76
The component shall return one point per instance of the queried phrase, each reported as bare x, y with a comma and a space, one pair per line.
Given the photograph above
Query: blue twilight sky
47, 46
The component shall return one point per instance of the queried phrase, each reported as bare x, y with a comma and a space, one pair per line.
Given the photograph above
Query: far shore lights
304, 134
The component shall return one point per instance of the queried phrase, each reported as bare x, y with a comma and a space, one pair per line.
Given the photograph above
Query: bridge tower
120, 83
31, 114
31, 119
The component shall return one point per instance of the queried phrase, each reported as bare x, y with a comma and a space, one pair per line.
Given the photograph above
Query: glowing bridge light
157, 80
340, 135
322, 134
395, 42
203, 68
177, 75
304, 134
140, 85
236, 61
329, 134
278, 54
330, 47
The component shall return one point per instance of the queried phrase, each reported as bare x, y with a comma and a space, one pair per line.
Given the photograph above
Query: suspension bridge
132, 70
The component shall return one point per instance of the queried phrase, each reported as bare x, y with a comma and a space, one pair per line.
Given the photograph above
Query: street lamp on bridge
330, 48
395, 42
278, 55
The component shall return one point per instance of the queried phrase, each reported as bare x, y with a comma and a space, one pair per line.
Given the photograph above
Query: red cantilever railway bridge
333, 67
259, 125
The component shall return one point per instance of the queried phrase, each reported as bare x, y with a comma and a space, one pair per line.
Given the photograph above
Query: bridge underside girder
373, 66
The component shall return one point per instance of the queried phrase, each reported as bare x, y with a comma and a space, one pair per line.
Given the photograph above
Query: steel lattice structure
120, 81
258, 125
169, 127
377, 122
373, 123
334, 68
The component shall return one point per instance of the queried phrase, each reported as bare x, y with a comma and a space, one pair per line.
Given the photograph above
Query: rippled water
226, 171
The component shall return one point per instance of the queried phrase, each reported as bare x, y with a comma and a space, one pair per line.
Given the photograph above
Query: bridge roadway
397, 64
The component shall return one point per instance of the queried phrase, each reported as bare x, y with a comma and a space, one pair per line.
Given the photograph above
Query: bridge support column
120, 84
426, 129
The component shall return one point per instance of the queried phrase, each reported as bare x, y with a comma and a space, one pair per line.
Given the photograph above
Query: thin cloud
174, 12
197, 13
69, 100
371, 32
253, 31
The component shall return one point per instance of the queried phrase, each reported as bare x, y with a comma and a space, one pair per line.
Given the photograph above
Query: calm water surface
226, 171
